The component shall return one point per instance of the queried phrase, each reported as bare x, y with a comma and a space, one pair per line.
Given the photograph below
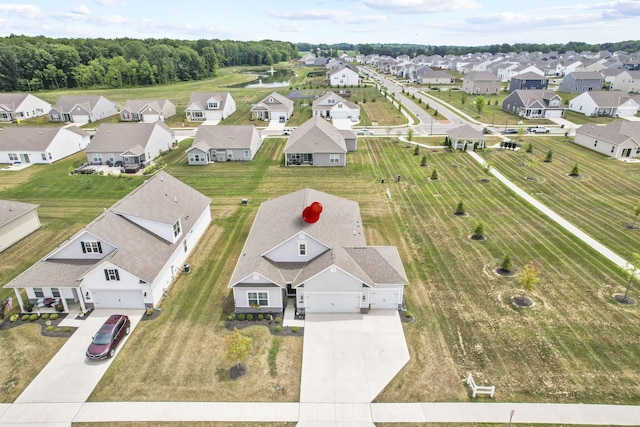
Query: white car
287, 131
364, 132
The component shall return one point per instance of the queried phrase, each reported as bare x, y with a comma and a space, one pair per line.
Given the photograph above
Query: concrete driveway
69, 377
350, 358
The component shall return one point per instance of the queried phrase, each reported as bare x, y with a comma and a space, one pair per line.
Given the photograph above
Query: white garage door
553, 113
339, 302
385, 299
117, 299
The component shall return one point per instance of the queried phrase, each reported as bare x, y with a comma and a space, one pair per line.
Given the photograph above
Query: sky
425, 22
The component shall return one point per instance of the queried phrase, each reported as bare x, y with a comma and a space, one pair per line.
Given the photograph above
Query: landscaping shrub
249, 316
45, 316
408, 314
50, 328
260, 317
25, 317
66, 329
232, 316
277, 328
278, 319
33, 317
241, 316
54, 316
56, 330
295, 329
14, 317
268, 317
149, 311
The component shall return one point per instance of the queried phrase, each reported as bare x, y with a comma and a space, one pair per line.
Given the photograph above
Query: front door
625, 153
24, 158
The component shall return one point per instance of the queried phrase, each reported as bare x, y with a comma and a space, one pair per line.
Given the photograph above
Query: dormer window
212, 105
302, 249
176, 228
91, 247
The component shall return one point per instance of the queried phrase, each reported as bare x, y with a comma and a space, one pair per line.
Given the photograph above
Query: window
97, 157
613, 149
334, 158
91, 247
595, 144
55, 292
111, 274
197, 115
125, 116
247, 154
212, 105
184, 245
38, 292
55, 117
302, 249
340, 105
176, 228
213, 154
13, 157
50, 157
258, 298
44, 156
196, 158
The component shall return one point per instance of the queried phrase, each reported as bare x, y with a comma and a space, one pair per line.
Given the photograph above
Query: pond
267, 78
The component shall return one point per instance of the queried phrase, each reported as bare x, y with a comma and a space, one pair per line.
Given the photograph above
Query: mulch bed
478, 238
522, 302
287, 331
154, 315
43, 324
622, 300
507, 273
462, 214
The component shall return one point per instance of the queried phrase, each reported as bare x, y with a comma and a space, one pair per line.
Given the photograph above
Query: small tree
529, 148
423, 162
479, 104
478, 232
636, 212
460, 208
575, 171
528, 278
463, 98
487, 170
506, 265
410, 134
237, 348
549, 156
416, 151
435, 113
434, 174
635, 265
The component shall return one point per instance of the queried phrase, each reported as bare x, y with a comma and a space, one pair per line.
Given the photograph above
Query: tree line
37, 63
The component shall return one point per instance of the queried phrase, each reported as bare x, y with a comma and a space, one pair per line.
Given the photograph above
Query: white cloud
289, 28
335, 16
28, 11
82, 10
420, 6
106, 2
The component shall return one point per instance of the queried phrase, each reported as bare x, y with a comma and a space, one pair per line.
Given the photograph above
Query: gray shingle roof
121, 137
32, 138
465, 131
224, 137
66, 103
10, 210
279, 103
200, 99
316, 135
136, 105
12, 100
609, 98
617, 131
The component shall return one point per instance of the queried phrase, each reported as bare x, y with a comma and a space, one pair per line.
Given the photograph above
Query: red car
108, 337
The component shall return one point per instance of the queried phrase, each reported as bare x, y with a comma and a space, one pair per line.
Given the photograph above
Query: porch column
19, 299
81, 300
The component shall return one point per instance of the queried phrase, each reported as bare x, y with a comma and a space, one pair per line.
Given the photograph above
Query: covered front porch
299, 159
50, 300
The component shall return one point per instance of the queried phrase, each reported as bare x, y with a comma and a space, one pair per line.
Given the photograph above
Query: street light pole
431, 126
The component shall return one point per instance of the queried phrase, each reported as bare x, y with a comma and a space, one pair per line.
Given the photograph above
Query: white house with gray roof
224, 144
273, 107
330, 105
210, 106
325, 265
619, 139
147, 110
613, 103
40, 144
127, 257
82, 109
343, 75
17, 221
627, 81
129, 145
21, 106
318, 143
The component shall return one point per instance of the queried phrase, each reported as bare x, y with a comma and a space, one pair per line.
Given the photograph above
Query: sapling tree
423, 162
636, 213
237, 347
528, 278
575, 171
479, 104
410, 134
549, 156
434, 174
460, 208
478, 231
634, 267
506, 265
416, 151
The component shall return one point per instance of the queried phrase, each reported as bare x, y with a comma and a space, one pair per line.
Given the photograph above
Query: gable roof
121, 137
136, 105
200, 99
12, 100
478, 76
10, 210
322, 99
316, 135
617, 131
274, 102
33, 138
223, 137
529, 75
465, 131
609, 98
586, 75
530, 97
66, 103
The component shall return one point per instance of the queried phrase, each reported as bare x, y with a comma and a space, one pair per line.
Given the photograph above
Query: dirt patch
624, 300
521, 301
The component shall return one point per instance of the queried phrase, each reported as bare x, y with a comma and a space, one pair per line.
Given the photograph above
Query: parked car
364, 132
108, 337
287, 131
538, 129
511, 130
486, 131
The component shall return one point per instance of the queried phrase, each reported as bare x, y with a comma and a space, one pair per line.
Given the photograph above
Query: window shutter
117, 274
106, 274
99, 247
84, 250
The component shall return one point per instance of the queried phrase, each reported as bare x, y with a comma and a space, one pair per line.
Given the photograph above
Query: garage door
553, 113
385, 299
325, 302
117, 299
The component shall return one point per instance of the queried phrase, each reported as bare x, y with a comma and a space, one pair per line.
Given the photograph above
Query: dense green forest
395, 49
35, 63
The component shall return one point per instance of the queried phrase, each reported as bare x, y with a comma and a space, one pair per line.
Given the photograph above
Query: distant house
320, 259
614, 103
582, 81
481, 83
21, 106
129, 145
210, 106
128, 257
82, 109
332, 106
619, 139
147, 110
528, 81
433, 77
40, 144
534, 104
273, 107
627, 81
223, 144
466, 138
17, 221
318, 143
343, 75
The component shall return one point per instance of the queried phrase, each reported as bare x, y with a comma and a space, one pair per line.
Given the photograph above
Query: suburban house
528, 80
332, 106
481, 83
21, 106
147, 110
82, 109
343, 75
534, 104
318, 143
627, 81
224, 144
310, 246
619, 139
614, 103
466, 138
127, 257
582, 81
131, 146
17, 221
273, 107
428, 76
210, 106
40, 144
